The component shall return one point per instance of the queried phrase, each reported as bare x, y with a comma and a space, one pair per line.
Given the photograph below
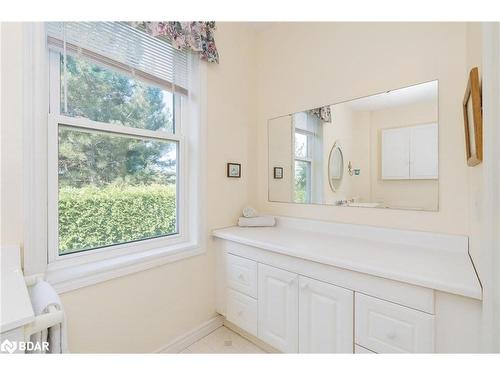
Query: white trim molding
490, 205
196, 334
35, 104
68, 278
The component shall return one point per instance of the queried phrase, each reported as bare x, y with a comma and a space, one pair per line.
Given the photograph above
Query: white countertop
16, 309
435, 261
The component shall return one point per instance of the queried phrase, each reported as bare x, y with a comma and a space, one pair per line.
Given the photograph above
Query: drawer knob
304, 286
241, 277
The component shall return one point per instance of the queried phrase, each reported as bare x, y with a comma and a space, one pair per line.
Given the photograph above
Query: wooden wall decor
473, 119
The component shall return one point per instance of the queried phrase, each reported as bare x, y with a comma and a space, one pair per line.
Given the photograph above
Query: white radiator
37, 332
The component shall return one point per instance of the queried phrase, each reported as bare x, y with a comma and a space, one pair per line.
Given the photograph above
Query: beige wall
144, 311
11, 135
280, 155
419, 194
305, 65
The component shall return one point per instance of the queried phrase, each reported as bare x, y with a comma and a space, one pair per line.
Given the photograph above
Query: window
118, 165
114, 189
98, 93
307, 182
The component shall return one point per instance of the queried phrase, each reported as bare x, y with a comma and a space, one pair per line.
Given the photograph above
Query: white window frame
71, 271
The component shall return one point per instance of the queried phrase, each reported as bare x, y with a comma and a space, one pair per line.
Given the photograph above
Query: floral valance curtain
323, 113
197, 36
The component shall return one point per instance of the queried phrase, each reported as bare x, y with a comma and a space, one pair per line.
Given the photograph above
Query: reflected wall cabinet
410, 153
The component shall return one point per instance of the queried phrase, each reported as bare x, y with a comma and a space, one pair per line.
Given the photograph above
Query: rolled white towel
249, 212
259, 221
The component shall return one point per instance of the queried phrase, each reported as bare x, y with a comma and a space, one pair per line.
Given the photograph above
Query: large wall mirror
377, 151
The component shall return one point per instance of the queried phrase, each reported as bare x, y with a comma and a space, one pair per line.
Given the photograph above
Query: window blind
123, 47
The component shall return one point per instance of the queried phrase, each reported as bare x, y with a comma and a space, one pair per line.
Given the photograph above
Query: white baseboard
182, 342
253, 339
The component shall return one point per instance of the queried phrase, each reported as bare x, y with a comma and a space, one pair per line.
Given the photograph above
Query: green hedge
92, 216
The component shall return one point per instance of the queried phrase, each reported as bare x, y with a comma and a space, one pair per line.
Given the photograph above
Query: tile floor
223, 341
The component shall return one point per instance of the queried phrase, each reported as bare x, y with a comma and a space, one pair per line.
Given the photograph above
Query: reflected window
308, 148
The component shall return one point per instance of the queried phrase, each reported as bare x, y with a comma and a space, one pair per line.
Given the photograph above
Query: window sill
65, 279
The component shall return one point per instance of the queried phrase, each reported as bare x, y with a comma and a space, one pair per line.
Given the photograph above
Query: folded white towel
259, 221
44, 296
249, 212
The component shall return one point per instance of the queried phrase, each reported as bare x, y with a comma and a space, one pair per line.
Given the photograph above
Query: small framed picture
473, 120
278, 173
234, 170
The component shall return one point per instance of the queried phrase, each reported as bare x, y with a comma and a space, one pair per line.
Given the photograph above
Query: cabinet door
278, 308
424, 152
325, 317
395, 154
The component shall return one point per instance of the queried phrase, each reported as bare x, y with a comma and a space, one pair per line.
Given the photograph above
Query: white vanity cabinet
315, 287
295, 313
292, 313
325, 317
278, 308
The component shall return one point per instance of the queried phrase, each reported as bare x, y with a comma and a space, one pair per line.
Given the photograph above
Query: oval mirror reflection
335, 167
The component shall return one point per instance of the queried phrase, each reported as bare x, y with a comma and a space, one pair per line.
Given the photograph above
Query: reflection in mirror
376, 151
308, 152
335, 167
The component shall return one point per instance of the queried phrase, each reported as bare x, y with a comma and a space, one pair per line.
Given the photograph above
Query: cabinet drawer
386, 327
242, 275
242, 311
